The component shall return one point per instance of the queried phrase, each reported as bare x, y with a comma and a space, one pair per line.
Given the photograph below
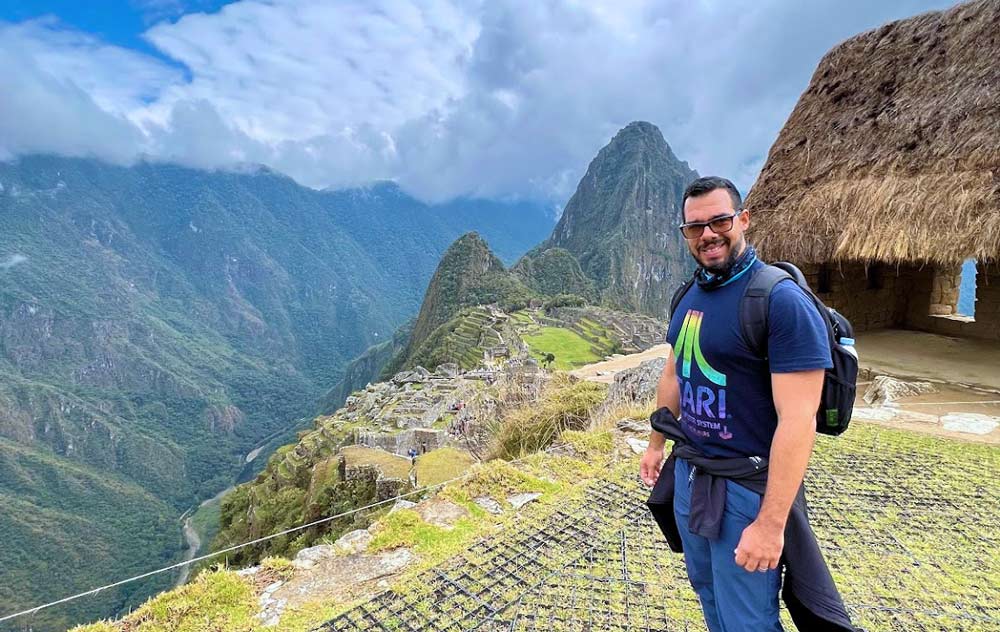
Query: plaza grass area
392, 465
570, 349
909, 525
443, 464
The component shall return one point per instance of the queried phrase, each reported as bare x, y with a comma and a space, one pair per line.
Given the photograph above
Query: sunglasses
719, 225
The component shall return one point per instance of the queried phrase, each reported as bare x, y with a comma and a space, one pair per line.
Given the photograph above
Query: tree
548, 360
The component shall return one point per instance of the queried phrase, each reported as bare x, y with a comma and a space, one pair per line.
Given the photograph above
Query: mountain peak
621, 222
468, 274
469, 241
640, 127
640, 137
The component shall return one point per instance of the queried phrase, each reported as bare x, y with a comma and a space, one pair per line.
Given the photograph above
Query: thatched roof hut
892, 154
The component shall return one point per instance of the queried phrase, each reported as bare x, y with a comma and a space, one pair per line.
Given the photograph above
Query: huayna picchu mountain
621, 224
157, 323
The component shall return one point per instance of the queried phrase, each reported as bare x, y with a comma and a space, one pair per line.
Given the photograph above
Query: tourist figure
423, 447
743, 427
412, 453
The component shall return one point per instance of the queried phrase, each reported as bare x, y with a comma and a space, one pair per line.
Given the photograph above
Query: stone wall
910, 297
987, 321
401, 442
944, 290
870, 297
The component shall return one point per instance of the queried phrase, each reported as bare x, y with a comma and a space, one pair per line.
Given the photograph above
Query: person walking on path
743, 428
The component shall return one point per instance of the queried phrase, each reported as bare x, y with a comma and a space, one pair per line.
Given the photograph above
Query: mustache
718, 241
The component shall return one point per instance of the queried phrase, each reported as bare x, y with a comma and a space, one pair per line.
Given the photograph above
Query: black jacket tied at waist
809, 592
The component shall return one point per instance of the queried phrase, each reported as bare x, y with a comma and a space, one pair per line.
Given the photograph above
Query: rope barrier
988, 401
235, 547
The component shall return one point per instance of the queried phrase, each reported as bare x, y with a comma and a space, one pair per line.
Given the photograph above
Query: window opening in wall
874, 273
967, 289
823, 280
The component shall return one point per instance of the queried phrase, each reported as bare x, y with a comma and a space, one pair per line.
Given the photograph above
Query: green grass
521, 317
218, 600
406, 528
570, 348
910, 516
443, 464
392, 465
565, 405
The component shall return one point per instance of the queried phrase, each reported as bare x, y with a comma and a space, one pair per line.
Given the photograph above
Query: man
730, 403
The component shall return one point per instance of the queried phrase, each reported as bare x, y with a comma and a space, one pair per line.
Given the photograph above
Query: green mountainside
364, 369
469, 274
159, 322
554, 271
621, 224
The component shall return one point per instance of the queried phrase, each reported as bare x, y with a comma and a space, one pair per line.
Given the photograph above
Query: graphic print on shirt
703, 407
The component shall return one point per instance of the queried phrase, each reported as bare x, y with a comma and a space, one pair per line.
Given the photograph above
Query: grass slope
570, 348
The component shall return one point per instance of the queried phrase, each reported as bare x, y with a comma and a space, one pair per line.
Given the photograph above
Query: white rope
988, 401
235, 547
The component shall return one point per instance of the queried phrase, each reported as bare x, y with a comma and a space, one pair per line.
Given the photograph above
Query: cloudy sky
491, 98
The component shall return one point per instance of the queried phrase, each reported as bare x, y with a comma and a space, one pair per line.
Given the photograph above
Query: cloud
11, 260
493, 98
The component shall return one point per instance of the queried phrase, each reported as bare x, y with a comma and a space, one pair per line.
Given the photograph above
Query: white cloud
490, 97
11, 260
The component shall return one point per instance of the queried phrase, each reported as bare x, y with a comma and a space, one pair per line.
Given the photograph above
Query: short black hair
707, 184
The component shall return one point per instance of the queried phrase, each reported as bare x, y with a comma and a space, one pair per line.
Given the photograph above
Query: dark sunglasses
719, 225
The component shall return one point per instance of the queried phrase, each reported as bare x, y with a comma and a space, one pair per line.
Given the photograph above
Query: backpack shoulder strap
678, 295
754, 307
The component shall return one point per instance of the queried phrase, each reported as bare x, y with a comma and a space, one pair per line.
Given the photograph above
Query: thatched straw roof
893, 152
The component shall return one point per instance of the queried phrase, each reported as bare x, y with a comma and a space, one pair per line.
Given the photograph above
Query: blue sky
121, 23
447, 97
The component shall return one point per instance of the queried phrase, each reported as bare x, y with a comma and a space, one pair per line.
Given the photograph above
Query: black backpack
840, 382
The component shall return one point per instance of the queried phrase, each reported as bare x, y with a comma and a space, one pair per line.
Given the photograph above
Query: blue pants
732, 598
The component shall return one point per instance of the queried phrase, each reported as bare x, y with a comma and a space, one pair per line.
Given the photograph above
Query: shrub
565, 404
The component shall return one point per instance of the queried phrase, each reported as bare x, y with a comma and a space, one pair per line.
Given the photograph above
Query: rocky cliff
621, 224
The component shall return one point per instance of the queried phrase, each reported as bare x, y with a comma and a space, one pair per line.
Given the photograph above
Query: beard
726, 264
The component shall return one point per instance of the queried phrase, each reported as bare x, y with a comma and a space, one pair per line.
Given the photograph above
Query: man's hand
649, 466
760, 546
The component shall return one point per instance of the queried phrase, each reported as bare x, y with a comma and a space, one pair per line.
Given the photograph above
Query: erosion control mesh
911, 534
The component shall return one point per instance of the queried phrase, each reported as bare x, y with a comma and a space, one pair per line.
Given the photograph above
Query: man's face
715, 252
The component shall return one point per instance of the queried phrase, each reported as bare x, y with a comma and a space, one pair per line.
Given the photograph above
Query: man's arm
796, 398
667, 394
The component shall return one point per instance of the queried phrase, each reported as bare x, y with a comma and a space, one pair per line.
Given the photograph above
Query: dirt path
604, 372
954, 411
931, 357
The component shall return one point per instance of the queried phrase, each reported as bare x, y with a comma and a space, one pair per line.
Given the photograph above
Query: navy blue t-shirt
727, 408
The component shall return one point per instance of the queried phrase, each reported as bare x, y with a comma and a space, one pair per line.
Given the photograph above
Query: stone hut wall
930, 299
910, 297
871, 297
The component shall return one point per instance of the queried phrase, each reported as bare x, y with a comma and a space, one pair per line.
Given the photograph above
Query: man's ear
745, 219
